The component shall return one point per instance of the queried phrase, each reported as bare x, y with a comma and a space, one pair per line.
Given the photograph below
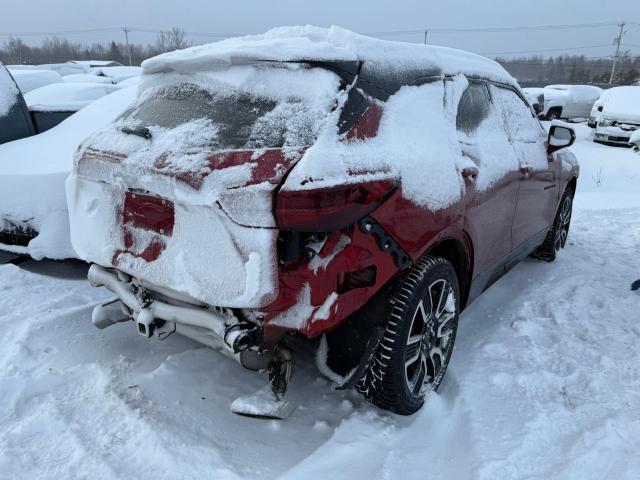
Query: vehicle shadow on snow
63, 269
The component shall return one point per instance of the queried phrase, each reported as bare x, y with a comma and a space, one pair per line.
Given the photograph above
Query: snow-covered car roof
67, 97
309, 43
33, 171
62, 68
28, 79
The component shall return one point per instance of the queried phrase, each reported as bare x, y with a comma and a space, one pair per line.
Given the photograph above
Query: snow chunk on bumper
206, 256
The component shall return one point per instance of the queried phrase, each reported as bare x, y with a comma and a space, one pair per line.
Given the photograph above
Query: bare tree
174, 39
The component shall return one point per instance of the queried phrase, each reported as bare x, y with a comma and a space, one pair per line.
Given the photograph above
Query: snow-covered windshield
236, 117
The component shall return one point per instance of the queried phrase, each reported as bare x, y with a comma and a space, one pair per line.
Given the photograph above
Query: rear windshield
237, 119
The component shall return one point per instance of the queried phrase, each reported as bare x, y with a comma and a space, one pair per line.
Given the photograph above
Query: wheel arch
460, 253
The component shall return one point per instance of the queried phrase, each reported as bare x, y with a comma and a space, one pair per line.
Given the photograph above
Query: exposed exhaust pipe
108, 313
236, 335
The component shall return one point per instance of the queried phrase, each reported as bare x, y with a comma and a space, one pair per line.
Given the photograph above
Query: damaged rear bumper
155, 314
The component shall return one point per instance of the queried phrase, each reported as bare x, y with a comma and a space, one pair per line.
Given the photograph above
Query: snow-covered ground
544, 381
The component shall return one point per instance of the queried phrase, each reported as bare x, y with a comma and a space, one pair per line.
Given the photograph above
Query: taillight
329, 209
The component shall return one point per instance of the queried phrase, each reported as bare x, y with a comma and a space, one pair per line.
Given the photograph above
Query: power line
522, 28
548, 50
60, 32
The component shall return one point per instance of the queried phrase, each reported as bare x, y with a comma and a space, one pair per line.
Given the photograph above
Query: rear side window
473, 108
519, 121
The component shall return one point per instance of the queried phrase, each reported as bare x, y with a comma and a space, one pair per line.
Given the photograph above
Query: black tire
415, 331
557, 236
553, 114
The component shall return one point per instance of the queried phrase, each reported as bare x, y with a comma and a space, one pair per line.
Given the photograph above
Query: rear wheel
414, 352
557, 235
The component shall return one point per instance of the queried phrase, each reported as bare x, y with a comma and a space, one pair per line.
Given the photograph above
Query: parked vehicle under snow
33, 207
618, 116
317, 182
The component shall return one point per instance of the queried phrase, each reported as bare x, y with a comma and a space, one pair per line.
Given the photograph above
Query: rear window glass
238, 119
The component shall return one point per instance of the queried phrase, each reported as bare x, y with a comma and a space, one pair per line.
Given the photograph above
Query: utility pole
617, 41
425, 36
126, 38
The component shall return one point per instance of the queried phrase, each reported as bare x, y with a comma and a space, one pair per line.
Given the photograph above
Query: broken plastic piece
263, 404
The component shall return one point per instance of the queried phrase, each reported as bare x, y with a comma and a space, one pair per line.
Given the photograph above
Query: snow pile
86, 78
28, 80
66, 96
609, 176
33, 171
287, 44
8, 91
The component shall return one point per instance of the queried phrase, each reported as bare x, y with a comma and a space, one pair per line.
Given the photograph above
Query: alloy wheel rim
563, 224
430, 338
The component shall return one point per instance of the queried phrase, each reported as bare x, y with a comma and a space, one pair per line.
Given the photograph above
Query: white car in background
617, 116
33, 206
66, 96
568, 101
31, 79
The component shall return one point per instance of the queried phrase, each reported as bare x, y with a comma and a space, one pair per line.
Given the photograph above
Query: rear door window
483, 137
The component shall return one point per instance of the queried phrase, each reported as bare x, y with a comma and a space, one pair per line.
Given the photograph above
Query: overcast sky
365, 16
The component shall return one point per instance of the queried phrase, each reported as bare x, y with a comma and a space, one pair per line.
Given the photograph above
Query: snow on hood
33, 171
66, 96
299, 43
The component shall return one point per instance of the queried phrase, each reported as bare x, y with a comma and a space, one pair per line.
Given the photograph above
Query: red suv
313, 182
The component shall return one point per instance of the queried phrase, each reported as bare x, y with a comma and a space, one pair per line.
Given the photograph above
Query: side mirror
560, 137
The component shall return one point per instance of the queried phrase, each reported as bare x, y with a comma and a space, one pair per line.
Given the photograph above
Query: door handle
525, 170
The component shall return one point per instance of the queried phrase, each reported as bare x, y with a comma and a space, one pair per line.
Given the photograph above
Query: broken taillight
329, 209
